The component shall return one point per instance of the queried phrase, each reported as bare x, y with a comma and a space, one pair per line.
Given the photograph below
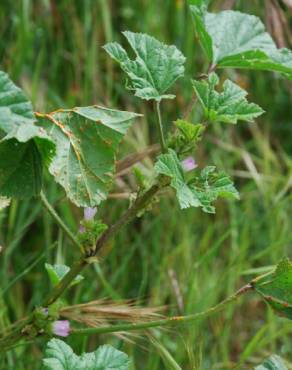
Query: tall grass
184, 260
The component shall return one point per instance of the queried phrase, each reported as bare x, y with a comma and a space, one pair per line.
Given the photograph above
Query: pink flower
188, 164
61, 328
89, 213
81, 229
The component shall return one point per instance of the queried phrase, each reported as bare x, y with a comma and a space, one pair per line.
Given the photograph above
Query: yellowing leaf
86, 141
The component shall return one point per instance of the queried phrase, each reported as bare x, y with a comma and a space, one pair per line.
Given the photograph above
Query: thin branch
58, 219
175, 320
160, 128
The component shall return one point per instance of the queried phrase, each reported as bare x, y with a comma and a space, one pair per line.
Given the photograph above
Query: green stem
175, 320
15, 332
59, 221
64, 283
160, 128
128, 216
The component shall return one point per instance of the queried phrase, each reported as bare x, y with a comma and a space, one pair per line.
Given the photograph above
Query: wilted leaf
57, 272
229, 106
274, 362
276, 288
86, 141
237, 40
22, 143
202, 190
156, 67
59, 356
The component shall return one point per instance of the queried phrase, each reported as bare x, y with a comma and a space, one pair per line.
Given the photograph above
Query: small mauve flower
89, 213
188, 164
61, 328
81, 229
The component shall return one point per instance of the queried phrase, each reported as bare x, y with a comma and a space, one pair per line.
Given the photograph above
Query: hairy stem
160, 128
175, 320
58, 219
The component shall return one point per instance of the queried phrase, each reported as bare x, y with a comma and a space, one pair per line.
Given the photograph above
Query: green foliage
276, 288
22, 143
186, 137
229, 106
274, 362
86, 141
92, 230
237, 40
57, 272
156, 67
59, 356
200, 191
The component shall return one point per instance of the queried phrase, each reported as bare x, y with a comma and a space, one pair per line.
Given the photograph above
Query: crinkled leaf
202, 190
156, 67
22, 143
191, 132
86, 141
59, 356
237, 40
57, 272
276, 288
228, 106
274, 362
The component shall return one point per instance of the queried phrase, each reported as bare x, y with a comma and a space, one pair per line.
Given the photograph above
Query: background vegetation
185, 260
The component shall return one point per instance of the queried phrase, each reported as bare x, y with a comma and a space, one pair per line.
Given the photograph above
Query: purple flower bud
188, 164
45, 311
81, 229
61, 328
89, 213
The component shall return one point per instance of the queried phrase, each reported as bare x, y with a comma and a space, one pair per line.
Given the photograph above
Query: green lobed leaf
57, 272
86, 141
60, 356
228, 106
22, 143
276, 288
202, 190
156, 67
232, 39
191, 132
274, 362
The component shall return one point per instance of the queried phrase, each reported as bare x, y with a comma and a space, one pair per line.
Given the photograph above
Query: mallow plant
77, 147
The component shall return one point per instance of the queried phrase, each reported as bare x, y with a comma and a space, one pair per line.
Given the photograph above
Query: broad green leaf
21, 143
202, 190
86, 141
57, 272
59, 356
276, 288
237, 40
228, 106
156, 67
274, 362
